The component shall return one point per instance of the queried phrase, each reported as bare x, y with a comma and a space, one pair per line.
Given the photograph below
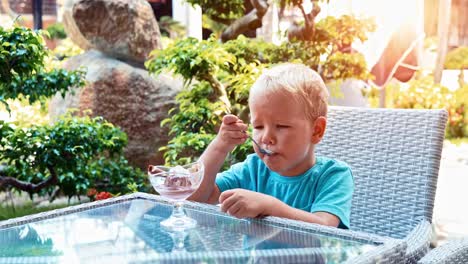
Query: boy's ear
320, 125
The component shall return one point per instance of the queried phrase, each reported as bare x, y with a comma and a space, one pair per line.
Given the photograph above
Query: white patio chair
395, 156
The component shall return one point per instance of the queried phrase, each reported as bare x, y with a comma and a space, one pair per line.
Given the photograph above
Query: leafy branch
194, 59
22, 73
61, 154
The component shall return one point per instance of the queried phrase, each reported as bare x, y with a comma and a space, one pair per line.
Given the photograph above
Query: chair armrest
392, 252
418, 241
452, 252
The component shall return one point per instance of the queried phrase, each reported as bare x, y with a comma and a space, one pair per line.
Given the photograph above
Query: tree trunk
27, 186
307, 31
220, 91
252, 20
443, 31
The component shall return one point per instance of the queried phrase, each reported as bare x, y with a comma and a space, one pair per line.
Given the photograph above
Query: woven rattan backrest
395, 156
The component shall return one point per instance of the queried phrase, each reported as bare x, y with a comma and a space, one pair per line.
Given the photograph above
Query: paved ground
450, 209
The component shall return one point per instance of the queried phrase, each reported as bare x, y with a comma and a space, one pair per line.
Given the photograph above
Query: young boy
288, 106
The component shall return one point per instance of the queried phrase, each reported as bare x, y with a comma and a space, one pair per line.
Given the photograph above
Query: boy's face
279, 124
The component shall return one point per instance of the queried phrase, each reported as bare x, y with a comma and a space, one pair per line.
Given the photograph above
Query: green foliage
196, 113
248, 50
193, 124
334, 65
343, 31
115, 176
56, 31
209, 66
217, 28
423, 93
43, 85
191, 58
170, 27
5, 129
84, 152
458, 114
24, 114
186, 147
345, 65
22, 55
323, 51
66, 49
459, 141
221, 9
457, 59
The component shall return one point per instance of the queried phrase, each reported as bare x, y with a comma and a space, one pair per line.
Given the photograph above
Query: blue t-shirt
326, 187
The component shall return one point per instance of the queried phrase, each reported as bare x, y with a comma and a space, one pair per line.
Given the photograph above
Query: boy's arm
229, 136
323, 218
213, 158
244, 203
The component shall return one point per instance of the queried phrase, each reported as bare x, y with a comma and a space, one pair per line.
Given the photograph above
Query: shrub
218, 77
73, 155
424, 93
66, 49
457, 59
56, 31
23, 73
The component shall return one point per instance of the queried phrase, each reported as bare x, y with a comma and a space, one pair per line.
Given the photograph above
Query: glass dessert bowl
177, 183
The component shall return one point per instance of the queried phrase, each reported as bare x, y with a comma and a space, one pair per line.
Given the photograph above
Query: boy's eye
258, 127
282, 126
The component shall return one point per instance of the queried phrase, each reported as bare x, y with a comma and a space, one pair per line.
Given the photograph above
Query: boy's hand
231, 133
244, 203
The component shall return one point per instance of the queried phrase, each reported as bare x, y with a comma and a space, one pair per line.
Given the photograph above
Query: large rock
123, 29
127, 97
70, 26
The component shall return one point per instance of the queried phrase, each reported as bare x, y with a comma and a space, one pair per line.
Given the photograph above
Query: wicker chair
395, 156
452, 252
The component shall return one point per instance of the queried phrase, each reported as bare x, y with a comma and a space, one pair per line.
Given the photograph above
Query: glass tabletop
129, 232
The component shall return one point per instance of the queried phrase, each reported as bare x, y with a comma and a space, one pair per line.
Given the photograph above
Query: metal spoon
262, 150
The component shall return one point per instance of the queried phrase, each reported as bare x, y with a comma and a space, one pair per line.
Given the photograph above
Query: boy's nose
268, 138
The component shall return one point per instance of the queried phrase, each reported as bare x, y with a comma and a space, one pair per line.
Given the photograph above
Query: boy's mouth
271, 153
266, 152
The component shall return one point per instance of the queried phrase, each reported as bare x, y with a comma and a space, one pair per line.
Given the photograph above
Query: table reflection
129, 232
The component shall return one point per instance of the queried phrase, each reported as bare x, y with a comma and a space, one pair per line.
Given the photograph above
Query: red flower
103, 195
91, 192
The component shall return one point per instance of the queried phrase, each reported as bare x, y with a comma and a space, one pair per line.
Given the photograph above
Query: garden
82, 155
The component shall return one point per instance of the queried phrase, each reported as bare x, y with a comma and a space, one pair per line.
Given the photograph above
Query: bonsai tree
240, 16
69, 156
218, 75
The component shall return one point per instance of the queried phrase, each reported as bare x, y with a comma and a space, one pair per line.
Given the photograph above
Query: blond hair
297, 81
